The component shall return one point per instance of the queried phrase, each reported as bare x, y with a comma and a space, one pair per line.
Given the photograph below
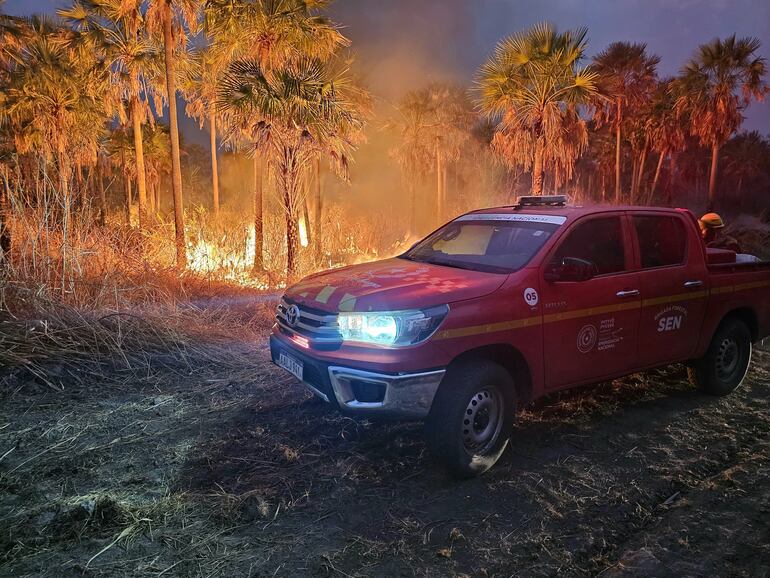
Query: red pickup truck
501, 306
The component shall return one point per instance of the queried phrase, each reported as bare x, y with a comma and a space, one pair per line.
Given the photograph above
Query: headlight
392, 328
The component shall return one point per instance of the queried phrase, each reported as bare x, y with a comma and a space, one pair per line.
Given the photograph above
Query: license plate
290, 364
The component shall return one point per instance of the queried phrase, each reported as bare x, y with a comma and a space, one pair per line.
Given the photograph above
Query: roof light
542, 201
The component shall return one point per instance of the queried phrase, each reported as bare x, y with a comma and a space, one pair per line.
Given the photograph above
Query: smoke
399, 46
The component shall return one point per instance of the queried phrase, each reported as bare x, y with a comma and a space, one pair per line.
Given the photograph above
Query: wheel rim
483, 420
728, 358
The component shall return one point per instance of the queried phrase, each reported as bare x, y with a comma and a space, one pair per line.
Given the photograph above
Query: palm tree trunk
617, 150
141, 183
673, 180
713, 176
127, 182
306, 217
640, 173
318, 211
289, 200
654, 185
214, 164
439, 183
537, 170
150, 194
176, 165
634, 175
258, 227
5, 225
102, 194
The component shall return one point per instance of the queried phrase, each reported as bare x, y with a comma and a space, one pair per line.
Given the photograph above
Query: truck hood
391, 285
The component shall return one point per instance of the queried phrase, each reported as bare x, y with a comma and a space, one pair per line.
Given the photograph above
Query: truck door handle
693, 284
628, 293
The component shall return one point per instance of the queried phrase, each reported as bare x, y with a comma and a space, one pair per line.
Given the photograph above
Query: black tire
471, 418
726, 362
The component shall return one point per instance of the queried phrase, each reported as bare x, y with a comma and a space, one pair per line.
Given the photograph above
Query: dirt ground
197, 470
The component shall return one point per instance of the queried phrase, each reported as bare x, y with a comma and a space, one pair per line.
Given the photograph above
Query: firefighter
711, 225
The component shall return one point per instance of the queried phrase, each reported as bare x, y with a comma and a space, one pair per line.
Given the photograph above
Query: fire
230, 264
303, 233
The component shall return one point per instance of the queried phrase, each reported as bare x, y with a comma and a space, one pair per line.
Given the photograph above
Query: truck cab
501, 306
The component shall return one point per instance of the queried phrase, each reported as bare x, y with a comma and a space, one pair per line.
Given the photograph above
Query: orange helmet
711, 221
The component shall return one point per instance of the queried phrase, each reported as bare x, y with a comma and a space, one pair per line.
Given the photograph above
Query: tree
293, 114
114, 29
664, 128
747, 157
627, 76
271, 34
171, 18
54, 102
534, 83
433, 124
11, 35
713, 89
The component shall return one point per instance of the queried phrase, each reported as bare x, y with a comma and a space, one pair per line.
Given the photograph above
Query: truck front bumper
405, 395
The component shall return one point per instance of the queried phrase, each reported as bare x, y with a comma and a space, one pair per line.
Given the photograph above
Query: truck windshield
484, 245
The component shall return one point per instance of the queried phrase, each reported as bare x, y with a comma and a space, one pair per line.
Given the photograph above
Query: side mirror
570, 269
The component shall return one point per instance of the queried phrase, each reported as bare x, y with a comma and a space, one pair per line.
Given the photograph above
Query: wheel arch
509, 358
748, 316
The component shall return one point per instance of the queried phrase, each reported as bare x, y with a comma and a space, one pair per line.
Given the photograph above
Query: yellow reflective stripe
591, 311
577, 313
674, 298
325, 293
487, 328
741, 287
753, 285
347, 302
532, 321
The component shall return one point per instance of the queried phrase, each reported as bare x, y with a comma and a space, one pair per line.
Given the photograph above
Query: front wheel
471, 418
726, 362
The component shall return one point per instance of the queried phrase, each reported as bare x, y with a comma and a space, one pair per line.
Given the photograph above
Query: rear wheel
471, 418
726, 362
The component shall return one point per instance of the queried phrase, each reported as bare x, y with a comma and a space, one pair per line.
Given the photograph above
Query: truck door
590, 326
673, 285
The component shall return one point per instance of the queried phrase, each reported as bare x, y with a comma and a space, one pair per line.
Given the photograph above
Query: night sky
402, 44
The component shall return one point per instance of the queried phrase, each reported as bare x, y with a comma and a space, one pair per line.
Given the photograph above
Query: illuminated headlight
392, 328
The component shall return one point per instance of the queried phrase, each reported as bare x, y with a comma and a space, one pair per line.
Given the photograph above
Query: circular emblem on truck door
292, 316
586, 339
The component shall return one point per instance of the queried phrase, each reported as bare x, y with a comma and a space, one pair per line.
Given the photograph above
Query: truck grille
311, 323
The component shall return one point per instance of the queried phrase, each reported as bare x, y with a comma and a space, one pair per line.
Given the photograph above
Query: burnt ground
208, 472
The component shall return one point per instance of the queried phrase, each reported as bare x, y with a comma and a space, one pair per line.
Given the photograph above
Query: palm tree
713, 89
158, 160
293, 114
271, 34
413, 152
534, 82
746, 157
11, 34
627, 76
55, 100
433, 124
171, 19
664, 129
114, 28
